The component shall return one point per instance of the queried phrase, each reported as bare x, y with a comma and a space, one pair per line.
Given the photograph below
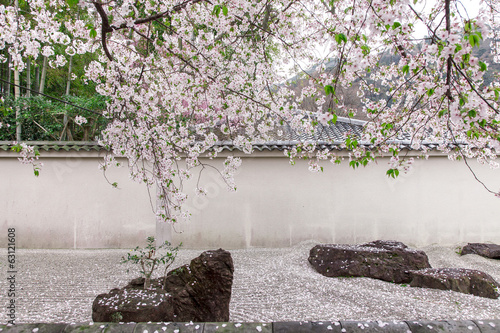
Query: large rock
385, 260
198, 292
486, 250
201, 291
133, 305
467, 281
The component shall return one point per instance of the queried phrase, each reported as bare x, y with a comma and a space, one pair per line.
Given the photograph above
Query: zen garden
250, 166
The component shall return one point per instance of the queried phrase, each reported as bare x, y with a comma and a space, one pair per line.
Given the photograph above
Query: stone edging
418, 326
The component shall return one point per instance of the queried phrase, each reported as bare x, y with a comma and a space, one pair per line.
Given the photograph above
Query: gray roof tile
327, 137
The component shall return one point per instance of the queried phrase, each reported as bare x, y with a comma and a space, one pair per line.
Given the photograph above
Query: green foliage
150, 257
392, 173
340, 37
116, 317
329, 90
72, 3
218, 8
42, 119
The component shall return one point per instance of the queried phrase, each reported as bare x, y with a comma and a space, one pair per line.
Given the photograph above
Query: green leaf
497, 94
462, 101
334, 119
482, 66
472, 113
477, 41
467, 26
471, 40
72, 3
216, 11
392, 173
92, 33
396, 25
339, 38
406, 69
224, 10
329, 90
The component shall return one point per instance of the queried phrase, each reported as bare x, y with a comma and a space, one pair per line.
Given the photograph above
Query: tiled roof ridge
56, 145
330, 137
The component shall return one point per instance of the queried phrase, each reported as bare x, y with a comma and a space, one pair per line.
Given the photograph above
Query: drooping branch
449, 60
107, 28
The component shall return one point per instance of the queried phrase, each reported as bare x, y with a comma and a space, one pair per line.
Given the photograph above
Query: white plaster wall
279, 205
71, 205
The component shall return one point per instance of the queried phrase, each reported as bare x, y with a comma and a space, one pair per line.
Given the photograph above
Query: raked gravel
269, 285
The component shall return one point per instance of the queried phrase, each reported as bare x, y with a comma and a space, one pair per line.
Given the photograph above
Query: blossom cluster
185, 76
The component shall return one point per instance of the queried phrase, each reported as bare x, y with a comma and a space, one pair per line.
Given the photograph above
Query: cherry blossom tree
182, 75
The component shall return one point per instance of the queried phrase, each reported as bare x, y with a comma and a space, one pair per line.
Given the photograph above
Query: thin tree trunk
37, 77
68, 82
44, 74
5, 69
7, 85
66, 130
147, 282
17, 94
28, 78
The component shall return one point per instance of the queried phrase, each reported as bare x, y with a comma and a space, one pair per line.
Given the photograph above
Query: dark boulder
467, 281
133, 305
201, 291
385, 260
491, 251
198, 292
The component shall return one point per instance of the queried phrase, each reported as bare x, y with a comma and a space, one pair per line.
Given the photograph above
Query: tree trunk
68, 85
7, 85
44, 74
37, 77
147, 282
17, 94
68, 82
28, 78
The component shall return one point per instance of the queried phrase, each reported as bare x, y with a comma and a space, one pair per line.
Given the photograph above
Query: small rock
467, 281
132, 305
491, 251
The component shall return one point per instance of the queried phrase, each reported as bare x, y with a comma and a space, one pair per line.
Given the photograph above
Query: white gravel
269, 285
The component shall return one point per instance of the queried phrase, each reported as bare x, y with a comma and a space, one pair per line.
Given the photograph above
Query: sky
466, 8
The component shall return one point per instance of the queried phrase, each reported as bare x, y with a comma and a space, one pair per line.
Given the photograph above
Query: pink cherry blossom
220, 74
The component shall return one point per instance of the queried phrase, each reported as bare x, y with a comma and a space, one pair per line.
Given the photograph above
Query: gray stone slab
169, 328
238, 327
85, 328
427, 326
307, 326
119, 328
34, 328
374, 326
488, 326
464, 326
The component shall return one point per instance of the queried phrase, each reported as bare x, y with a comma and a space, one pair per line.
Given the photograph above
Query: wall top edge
226, 146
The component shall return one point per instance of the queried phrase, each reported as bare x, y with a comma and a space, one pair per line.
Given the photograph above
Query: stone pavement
465, 326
